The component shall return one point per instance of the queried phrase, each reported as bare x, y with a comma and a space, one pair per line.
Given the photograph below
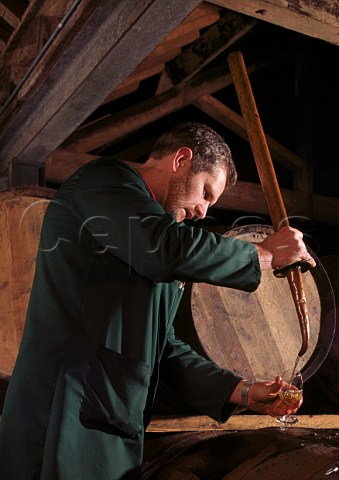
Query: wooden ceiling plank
2, 46
209, 45
160, 55
249, 197
203, 10
234, 122
309, 17
125, 122
117, 126
177, 41
201, 17
39, 21
102, 53
141, 74
166, 51
17, 7
196, 23
9, 16
132, 118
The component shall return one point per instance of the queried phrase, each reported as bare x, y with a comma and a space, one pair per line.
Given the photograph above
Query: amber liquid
290, 396
295, 369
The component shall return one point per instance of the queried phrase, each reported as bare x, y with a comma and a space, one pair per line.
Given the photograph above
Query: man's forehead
217, 177
215, 182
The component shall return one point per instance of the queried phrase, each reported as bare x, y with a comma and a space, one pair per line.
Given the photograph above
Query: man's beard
179, 190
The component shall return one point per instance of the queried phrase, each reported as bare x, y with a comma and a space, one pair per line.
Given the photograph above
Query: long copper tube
268, 182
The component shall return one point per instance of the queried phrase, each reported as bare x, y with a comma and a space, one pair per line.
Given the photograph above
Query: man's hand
282, 248
263, 398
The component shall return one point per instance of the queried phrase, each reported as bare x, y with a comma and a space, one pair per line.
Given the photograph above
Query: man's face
190, 195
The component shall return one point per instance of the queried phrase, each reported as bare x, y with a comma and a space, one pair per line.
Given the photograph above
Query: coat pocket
115, 394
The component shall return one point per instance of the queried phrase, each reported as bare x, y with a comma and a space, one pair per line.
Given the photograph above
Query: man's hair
209, 149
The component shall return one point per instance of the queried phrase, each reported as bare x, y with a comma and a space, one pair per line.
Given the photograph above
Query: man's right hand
282, 248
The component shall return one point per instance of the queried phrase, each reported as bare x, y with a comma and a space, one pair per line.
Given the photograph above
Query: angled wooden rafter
234, 122
115, 127
218, 38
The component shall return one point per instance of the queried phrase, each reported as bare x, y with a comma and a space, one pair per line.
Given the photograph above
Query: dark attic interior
81, 79
67, 97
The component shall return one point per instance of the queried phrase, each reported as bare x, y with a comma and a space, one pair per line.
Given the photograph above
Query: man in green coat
113, 257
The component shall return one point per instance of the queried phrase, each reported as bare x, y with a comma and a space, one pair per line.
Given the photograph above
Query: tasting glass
291, 394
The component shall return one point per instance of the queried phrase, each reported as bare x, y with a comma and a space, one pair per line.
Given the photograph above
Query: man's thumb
272, 389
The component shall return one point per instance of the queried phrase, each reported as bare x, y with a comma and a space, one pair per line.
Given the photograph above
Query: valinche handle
282, 272
269, 185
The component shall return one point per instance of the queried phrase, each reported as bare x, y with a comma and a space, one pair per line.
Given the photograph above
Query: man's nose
201, 210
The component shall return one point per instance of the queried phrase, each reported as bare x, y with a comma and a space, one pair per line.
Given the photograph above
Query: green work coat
99, 329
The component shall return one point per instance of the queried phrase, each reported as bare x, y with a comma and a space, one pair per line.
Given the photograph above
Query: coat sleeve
198, 382
118, 211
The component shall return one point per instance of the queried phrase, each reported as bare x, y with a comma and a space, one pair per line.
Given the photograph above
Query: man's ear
182, 158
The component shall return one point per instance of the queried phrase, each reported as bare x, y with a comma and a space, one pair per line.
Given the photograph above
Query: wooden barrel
21, 214
321, 392
265, 454
331, 265
257, 334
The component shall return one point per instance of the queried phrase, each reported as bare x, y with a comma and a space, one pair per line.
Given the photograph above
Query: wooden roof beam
309, 17
115, 127
234, 122
220, 36
91, 61
112, 128
39, 21
249, 197
8, 16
